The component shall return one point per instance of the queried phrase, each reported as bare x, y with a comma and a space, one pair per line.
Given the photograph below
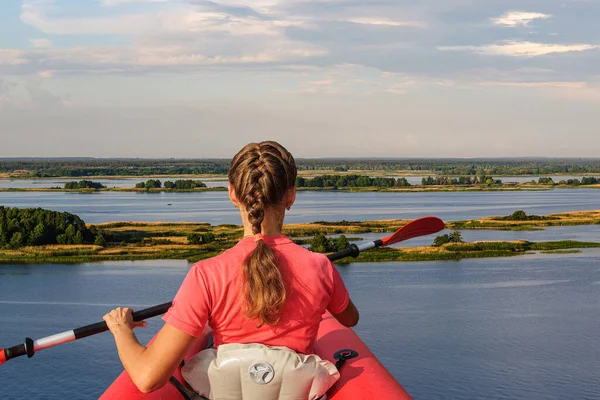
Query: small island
344, 182
42, 236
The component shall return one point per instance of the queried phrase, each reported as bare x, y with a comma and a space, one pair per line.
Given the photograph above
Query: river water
215, 207
211, 182
511, 328
515, 328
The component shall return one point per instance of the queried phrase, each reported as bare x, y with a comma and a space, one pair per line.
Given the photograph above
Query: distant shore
304, 173
146, 240
505, 187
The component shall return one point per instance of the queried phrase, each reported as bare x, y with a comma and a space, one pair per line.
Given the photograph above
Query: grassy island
520, 221
346, 181
197, 241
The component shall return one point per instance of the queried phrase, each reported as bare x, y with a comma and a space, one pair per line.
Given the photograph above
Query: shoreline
303, 173
523, 187
86, 253
157, 240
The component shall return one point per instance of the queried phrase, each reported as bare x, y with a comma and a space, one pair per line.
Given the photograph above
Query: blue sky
380, 78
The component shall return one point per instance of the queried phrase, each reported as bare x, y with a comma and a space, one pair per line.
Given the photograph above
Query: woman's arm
149, 367
349, 317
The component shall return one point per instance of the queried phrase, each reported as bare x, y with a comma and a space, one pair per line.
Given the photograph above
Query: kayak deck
361, 377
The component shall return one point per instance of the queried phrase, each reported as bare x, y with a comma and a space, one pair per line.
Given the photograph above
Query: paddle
418, 227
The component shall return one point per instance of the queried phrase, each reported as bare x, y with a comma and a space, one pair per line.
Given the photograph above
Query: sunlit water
215, 207
215, 181
109, 183
516, 328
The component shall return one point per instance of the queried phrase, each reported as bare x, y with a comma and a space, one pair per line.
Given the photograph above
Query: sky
326, 78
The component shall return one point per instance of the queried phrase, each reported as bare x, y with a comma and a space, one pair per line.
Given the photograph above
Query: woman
265, 290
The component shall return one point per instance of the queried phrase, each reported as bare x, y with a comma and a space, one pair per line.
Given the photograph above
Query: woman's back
265, 290
212, 292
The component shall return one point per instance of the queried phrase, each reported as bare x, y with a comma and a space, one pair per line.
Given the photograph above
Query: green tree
17, 240
100, 241
208, 237
341, 243
403, 182
78, 239
153, 184
38, 237
70, 234
456, 237
441, 240
320, 244
519, 215
194, 238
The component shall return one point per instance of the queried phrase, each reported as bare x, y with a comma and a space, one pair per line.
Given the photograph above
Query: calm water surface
518, 328
585, 233
109, 183
130, 182
215, 207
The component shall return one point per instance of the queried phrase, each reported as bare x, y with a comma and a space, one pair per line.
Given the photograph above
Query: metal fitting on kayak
344, 355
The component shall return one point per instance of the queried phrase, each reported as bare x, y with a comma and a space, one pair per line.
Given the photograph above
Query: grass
158, 240
525, 186
148, 251
561, 251
574, 218
459, 251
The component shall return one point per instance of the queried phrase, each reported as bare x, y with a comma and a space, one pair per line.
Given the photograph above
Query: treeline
200, 238
177, 185
570, 182
84, 185
520, 215
453, 167
36, 227
49, 168
322, 244
453, 237
342, 181
461, 167
461, 180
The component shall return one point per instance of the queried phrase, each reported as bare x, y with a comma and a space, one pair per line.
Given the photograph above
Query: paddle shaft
30, 347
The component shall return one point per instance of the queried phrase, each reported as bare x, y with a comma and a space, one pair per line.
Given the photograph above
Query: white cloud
46, 74
516, 18
121, 2
539, 85
559, 89
179, 34
385, 22
521, 49
12, 57
360, 80
40, 43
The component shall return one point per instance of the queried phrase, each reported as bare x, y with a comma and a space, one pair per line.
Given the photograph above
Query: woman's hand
122, 319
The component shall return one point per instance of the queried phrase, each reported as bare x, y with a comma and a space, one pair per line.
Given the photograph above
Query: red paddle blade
418, 227
2, 357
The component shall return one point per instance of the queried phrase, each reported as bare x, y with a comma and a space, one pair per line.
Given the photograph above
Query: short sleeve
339, 296
191, 306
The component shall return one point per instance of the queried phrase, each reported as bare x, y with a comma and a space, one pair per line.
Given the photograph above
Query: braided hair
261, 174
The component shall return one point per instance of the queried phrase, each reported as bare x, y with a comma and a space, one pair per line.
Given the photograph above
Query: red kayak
362, 377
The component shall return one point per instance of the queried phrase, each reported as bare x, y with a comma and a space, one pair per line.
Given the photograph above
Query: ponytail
265, 292
261, 175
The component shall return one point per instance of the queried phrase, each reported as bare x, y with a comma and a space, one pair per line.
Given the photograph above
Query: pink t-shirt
211, 292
